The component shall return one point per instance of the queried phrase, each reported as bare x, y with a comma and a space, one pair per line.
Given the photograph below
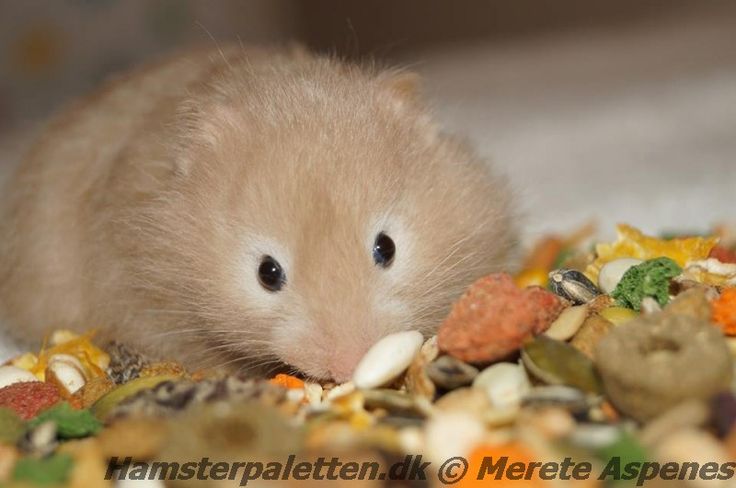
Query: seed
387, 359
66, 372
450, 373
505, 384
12, 374
559, 363
573, 285
568, 323
612, 272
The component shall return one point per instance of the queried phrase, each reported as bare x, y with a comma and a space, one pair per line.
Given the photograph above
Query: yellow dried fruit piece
26, 361
632, 243
94, 360
618, 315
532, 277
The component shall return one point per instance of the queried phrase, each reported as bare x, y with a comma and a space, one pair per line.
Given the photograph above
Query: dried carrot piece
724, 311
287, 381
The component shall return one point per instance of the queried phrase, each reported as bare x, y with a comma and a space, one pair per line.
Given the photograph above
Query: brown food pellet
494, 318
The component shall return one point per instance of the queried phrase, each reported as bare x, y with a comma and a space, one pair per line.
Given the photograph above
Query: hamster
249, 208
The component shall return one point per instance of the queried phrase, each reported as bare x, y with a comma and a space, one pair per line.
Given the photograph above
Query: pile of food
619, 351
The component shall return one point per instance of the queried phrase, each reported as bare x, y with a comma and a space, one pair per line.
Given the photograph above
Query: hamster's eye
383, 250
270, 274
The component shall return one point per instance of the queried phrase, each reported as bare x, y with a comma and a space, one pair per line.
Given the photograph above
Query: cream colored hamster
248, 207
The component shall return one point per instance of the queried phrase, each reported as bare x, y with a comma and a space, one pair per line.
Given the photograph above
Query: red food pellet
494, 318
28, 398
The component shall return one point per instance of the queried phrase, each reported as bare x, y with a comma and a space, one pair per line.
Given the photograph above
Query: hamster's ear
404, 85
198, 132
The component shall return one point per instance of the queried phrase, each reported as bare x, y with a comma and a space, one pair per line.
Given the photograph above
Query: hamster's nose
342, 364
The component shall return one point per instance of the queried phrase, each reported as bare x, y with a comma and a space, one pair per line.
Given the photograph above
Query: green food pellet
11, 426
648, 279
70, 422
44, 471
624, 451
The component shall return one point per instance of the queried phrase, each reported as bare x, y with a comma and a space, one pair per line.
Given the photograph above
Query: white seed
12, 374
67, 358
131, 483
612, 272
340, 390
504, 383
313, 392
595, 436
568, 323
61, 336
450, 434
67, 373
295, 395
387, 359
649, 306
411, 439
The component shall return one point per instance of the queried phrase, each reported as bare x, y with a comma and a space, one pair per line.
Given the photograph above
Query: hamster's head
317, 208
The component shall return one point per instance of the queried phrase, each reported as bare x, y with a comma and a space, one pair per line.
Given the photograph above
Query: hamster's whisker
453, 249
448, 271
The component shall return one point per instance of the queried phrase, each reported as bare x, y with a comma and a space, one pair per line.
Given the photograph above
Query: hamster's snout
342, 362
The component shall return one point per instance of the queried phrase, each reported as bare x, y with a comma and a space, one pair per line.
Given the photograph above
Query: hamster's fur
145, 209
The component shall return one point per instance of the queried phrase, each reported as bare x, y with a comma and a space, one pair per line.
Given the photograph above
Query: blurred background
617, 110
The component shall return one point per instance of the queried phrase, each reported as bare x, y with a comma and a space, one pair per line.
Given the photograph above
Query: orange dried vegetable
545, 253
724, 311
539, 262
514, 451
287, 381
